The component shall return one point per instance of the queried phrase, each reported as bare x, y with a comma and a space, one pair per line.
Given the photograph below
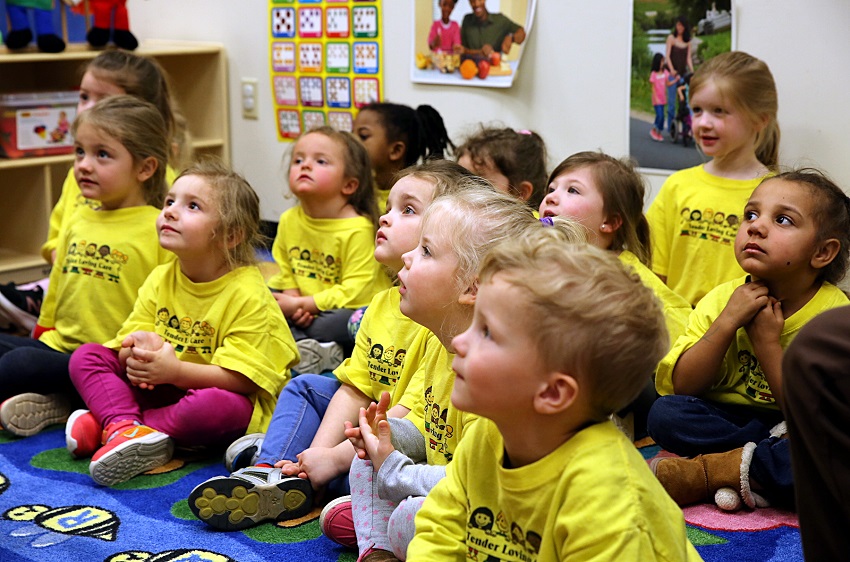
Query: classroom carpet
51, 510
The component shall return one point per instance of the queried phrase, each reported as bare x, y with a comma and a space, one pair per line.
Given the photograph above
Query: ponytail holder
524, 132
547, 221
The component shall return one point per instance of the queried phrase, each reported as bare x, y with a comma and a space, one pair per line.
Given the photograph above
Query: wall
572, 87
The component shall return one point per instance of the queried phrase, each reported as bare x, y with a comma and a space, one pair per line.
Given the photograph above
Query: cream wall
572, 87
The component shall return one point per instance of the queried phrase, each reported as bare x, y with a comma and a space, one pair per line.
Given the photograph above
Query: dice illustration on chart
365, 91
285, 90
341, 120
310, 22
337, 57
283, 22
311, 91
337, 22
339, 92
310, 57
365, 21
366, 57
312, 119
283, 56
288, 123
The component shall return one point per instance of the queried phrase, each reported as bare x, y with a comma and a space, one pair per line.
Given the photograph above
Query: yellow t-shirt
676, 309
433, 413
102, 259
69, 200
693, 222
380, 349
592, 498
331, 260
740, 379
233, 322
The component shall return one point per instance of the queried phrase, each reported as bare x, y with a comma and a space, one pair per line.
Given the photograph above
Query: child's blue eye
409, 210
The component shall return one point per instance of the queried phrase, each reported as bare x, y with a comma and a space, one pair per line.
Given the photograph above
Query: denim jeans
659, 118
690, 426
672, 96
28, 365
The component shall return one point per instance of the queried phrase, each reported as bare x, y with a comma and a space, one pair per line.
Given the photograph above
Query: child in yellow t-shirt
722, 381
205, 352
562, 337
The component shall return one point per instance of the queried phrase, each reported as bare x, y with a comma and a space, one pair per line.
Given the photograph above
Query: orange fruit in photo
468, 69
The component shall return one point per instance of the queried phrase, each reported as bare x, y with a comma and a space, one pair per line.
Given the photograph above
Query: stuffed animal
102, 10
20, 35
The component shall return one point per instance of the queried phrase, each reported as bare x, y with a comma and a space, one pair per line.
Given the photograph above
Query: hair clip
524, 132
547, 221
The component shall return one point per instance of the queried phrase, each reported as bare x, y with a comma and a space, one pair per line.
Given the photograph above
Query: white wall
572, 87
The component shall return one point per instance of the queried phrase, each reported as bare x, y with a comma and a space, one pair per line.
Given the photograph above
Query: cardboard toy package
37, 124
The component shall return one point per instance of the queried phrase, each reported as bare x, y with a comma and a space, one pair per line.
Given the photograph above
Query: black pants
816, 383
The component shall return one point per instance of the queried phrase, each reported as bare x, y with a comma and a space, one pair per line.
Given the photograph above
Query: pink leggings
203, 416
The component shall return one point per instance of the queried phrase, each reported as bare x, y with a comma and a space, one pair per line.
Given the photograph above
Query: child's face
105, 170
189, 219
721, 129
497, 365
446, 7
486, 169
399, 230
93, 89
778, 235
428, 284
371, 132
317, 169
575, 194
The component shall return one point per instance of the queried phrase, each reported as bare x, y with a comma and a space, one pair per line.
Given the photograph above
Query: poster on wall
325, 62
469, 42
670, 41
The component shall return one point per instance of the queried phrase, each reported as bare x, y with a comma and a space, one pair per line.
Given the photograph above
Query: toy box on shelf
37, 124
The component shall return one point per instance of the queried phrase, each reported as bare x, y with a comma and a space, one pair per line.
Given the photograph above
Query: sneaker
656, 136
318, 356
27, 414
21, 306
337, 523
243, 452
250, 496
82, 434
131, 449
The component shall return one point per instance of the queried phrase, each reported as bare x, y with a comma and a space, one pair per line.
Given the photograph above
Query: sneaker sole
20, 317
27, 414
232, 504
132, 458
316, 358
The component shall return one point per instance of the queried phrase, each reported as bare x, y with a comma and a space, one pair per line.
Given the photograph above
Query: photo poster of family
670, 40
326, 62
469, 42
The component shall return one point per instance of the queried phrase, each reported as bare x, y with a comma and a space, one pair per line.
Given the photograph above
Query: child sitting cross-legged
722, 381
561, 337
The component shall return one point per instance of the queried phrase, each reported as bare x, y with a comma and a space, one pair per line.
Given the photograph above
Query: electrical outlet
249, 98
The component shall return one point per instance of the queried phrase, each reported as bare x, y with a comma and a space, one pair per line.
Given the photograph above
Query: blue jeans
659, 118
300, 408
671, 105
690, 426
28, 365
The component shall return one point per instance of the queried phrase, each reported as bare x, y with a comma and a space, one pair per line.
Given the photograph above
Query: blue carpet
50, 510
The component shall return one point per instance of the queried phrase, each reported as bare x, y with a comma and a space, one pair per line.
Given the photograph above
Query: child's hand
374, 439
302, 318
319, 465
144, 340
744, 303
148, 368
288, 304
766, 326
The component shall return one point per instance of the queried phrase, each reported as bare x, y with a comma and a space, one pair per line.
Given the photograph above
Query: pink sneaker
656, 136
129, 450
82, 434
337, 522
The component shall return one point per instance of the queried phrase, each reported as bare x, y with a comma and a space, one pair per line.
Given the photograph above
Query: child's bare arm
696, 370
764, 331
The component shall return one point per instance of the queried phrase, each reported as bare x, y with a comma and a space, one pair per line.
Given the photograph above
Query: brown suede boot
698, 479
380, 556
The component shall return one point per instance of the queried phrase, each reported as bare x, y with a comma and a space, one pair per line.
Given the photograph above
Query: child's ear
468, 297
524, 190
351, 185
397, 151
612, 224
825, 253
559, 393
147, 167
235, 238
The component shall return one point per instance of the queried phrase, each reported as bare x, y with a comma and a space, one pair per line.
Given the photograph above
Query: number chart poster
325, 62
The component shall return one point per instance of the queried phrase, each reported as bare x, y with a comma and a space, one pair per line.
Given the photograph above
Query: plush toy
102, 10
20, 35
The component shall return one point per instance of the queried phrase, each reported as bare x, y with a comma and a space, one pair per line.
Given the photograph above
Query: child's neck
384, 177
322, 208
455, 322
134, 198
738, 165
203, 268
529, 436
793, 293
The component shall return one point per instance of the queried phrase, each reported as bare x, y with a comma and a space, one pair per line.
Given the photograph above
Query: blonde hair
748, 84
357, 166
138, 76
589, 316
445, 175
139, 127
238, 208
623, 191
